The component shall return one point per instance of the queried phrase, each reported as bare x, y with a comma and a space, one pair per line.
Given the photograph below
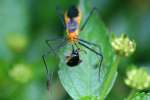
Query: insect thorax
72, 26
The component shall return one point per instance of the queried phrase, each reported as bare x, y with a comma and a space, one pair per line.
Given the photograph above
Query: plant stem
131, 95
109, 78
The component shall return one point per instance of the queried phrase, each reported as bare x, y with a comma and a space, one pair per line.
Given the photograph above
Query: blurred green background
25, 24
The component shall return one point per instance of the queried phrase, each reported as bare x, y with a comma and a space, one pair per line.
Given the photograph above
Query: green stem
131, 95
109, 78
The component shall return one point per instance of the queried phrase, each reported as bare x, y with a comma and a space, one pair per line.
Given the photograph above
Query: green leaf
83, 81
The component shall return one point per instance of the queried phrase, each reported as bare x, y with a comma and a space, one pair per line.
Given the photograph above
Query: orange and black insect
71, 22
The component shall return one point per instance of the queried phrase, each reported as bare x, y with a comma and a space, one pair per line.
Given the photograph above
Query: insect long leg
61, 16
72, 48
51, 51
97, 53
87, 19
56, 48
48, 76
89, 43
77, 46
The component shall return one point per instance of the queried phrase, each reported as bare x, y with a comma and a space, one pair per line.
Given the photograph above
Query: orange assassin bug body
72, 24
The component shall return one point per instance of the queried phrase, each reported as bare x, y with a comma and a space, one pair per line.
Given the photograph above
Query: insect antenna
87, 19
60, 15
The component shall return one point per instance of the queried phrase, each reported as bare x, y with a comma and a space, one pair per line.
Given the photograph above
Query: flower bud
138, 78
17, 42
123, 45
20, 73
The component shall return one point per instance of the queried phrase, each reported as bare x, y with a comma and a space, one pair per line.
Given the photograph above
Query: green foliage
25, 24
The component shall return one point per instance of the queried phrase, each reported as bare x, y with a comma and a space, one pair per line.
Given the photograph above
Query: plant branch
131, 95
109, 78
